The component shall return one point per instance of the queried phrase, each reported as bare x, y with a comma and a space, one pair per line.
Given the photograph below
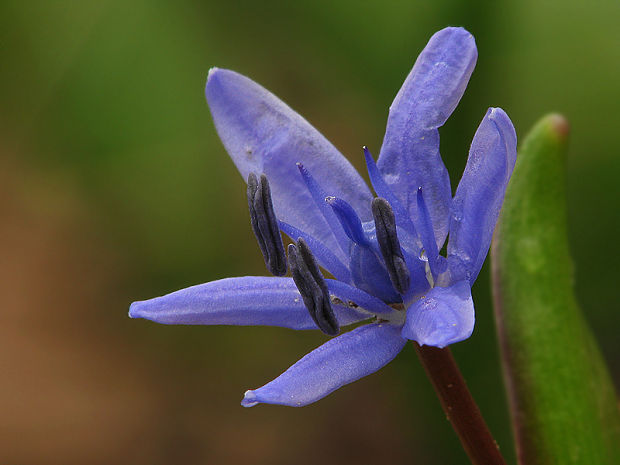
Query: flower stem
459, 405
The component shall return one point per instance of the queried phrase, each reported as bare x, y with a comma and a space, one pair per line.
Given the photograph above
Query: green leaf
563, 403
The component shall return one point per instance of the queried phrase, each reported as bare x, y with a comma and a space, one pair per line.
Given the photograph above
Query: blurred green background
114, 187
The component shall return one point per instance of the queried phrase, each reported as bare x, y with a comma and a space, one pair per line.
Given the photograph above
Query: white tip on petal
134, 310
249, 399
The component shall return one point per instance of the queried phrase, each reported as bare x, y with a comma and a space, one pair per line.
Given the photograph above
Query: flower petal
409, 155
444, 316
263, 135
250, 300
339, 361
480, 194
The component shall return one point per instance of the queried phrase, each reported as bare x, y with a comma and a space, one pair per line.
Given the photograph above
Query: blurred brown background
114, 188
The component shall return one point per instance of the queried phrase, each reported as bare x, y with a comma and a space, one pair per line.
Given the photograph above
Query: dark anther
312, 287
389, 245
265, 224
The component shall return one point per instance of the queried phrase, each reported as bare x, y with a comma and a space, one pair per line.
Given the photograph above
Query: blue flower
383, 252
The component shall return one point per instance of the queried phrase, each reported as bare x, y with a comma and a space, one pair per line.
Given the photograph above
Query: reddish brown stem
459, 405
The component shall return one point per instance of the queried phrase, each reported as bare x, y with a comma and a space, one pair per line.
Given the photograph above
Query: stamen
325, 257
312, 287
383, 190
265, 224
389, 245
318, 195
350, 222
427, 236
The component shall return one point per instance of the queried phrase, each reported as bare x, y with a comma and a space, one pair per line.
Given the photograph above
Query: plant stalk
459, 406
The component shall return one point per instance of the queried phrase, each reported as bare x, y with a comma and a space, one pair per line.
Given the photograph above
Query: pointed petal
339, 361
436, 262
263, 135
444, 316
410, 156
480, 194
250, 300
319, 195
383, 190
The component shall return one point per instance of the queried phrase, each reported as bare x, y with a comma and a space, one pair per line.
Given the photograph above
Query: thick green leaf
563, 403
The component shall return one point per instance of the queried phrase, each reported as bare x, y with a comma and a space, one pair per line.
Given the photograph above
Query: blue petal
263, 135
480, 194
250, 300
339, 361
410, 156
444, 316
